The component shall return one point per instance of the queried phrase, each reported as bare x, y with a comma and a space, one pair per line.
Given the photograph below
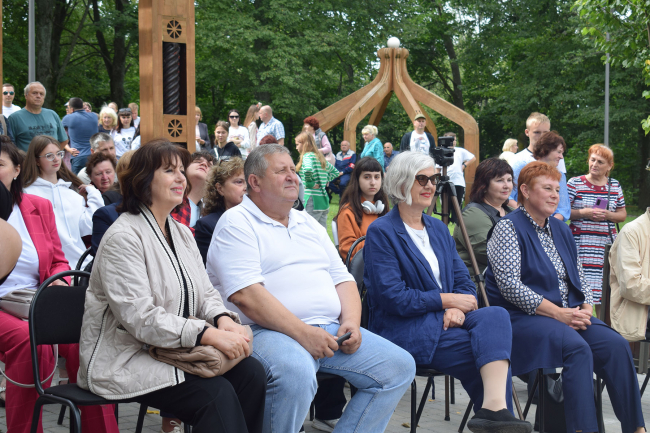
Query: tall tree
58, 24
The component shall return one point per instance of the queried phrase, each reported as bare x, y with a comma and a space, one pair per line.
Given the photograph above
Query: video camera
443, 153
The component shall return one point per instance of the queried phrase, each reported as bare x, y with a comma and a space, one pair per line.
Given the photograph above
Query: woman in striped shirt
597, 203
315, 173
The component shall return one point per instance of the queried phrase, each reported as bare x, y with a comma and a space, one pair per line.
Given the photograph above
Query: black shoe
487, 421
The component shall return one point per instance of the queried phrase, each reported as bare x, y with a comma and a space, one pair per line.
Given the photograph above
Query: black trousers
460, 194
330, 400
232, 403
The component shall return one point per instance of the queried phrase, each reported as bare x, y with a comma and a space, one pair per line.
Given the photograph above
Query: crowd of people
228, 246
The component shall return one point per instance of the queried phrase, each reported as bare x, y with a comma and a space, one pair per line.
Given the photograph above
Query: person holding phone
597, 203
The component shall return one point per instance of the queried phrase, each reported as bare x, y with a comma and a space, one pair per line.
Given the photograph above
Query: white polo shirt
297, 264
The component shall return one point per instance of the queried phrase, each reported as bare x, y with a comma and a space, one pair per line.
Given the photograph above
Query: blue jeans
77, 163
380, 371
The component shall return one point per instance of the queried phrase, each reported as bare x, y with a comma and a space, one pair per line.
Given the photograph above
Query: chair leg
423, 400
599, 405
61, 414
645, 383
117, 413
542, 397
452, 396
530, 396
312, 411
187, 428
414, 396
447, 418
36, 415
466, 416
75, 419
141, 414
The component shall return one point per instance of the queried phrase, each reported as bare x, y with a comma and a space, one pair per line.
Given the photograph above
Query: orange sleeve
348, 230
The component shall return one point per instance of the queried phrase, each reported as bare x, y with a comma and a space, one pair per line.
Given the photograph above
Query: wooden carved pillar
167, 85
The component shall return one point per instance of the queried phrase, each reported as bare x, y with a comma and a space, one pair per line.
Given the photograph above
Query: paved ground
432, 418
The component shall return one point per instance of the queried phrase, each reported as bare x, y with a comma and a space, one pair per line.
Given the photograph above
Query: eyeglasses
7, 93
234, 117
50, 156
423, 180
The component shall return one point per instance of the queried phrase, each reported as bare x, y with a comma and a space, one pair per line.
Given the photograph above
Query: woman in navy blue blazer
534, 273
421, 298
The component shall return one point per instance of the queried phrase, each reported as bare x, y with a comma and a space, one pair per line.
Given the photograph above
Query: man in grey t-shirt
35, 120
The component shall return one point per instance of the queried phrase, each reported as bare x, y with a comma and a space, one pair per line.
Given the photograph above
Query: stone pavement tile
432, 419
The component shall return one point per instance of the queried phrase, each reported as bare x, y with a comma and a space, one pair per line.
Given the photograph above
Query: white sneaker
324, 424
177, 428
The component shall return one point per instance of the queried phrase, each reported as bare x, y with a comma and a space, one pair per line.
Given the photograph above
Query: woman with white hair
509, 150
422, 298
373, 146
107, 120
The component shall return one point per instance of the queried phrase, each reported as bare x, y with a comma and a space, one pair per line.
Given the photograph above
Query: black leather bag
554, 416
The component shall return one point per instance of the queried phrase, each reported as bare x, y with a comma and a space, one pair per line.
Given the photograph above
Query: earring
15, 177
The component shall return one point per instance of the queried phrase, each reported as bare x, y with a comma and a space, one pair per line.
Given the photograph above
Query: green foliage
497, 60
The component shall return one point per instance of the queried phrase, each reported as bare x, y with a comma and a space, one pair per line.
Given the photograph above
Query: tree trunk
50, 14
114, 62
457, 93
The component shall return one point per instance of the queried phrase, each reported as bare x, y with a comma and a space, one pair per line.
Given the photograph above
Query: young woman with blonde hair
315, 173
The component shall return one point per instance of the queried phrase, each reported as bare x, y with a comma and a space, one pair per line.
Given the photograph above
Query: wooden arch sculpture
393, 77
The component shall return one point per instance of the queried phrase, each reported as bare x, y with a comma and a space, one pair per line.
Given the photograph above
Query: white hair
401, 176
28, 86
509, 143
370, 129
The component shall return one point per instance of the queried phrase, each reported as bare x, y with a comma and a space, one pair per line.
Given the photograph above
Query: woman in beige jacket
148, 279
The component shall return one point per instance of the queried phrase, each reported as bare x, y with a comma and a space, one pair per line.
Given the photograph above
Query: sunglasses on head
423, 180
7, 93
124, 112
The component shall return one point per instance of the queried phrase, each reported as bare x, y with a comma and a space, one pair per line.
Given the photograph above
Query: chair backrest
335, 234
55, 317
82, 259
57, 311
607, 289
355, 268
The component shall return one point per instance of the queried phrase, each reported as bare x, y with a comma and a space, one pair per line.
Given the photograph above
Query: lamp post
606, 141
31, 51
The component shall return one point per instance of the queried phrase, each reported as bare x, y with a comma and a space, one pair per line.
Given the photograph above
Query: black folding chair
355, 266
55, 317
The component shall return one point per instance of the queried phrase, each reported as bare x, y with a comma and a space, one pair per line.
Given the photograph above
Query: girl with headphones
363, 201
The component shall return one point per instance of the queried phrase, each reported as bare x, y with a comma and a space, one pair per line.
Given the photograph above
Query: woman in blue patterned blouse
534, 273
373, 146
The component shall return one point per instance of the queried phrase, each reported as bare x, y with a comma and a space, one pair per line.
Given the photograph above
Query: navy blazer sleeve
387, 287
103, 218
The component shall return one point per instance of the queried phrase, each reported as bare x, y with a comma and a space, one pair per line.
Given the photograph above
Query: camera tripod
445, 189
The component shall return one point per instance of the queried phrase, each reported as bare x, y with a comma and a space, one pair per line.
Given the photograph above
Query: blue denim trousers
380, 370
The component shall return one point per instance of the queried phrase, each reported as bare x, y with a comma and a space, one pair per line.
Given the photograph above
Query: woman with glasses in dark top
238, 134
422, 298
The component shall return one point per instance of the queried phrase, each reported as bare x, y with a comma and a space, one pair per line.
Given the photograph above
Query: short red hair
530, 174
313, 122
603, 151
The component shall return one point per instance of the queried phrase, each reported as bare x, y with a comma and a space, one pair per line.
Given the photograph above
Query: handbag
554, 416
203, 360
609, 190
18, 303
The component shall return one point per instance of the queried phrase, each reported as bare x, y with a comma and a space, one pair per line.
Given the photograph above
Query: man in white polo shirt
278, 268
